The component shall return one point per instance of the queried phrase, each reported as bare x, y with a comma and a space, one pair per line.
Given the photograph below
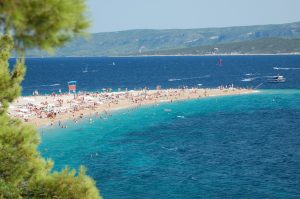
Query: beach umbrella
28, 99
24, 110
89, 98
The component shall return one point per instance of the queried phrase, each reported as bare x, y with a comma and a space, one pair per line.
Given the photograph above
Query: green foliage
65, 185
9, 81
43, 24
23, 172
20, 161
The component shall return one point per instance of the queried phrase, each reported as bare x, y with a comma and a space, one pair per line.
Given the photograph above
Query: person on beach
44, 108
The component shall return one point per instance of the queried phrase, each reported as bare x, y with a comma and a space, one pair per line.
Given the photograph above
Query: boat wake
172, 80
279, 68
43, 85
248, 79
170, 149
188, 78
46, 85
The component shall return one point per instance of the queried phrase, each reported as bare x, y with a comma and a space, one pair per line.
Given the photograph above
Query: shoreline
131, 108
50, 110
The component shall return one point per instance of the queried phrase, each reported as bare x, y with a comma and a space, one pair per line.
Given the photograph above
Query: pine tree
42, 24
23, 172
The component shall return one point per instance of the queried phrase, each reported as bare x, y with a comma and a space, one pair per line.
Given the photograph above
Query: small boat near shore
276, 79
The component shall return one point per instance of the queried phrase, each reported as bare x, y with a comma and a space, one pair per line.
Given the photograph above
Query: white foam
187, 78
171, 80
280, 68
248, 79
45, 85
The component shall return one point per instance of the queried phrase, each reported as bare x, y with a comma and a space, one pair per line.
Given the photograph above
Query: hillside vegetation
139, 42
260, 46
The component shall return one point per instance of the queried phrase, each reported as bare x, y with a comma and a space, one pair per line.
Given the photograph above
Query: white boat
277, 79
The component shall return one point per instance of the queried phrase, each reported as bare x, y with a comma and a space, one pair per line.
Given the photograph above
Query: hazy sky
115, 15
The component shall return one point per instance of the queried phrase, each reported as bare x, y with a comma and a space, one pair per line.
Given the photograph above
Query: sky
117, 15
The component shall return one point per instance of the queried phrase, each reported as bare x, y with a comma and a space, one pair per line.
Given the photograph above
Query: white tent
89, 98
24, 110
28, 99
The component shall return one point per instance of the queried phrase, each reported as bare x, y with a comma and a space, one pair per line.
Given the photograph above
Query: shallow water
244, 146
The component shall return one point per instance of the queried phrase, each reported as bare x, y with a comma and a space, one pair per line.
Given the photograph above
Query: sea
245, 146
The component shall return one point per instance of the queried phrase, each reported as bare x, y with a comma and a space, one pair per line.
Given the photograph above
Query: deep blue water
221, 147
51, 74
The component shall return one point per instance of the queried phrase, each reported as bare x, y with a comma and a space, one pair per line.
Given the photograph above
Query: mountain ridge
213, 27
260, 46
142, 41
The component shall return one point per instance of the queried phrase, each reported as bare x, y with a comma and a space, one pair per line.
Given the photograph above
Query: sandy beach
54, 109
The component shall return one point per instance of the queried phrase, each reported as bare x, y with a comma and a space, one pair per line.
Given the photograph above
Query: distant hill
259, 46
139, 42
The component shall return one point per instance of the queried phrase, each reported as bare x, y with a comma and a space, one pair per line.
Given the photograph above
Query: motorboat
277, 79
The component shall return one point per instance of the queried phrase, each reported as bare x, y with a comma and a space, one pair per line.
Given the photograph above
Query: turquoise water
244, 146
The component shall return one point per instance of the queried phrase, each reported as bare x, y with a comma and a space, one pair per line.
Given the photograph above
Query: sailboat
220, 62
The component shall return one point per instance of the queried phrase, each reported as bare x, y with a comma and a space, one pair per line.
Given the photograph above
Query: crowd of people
48, 109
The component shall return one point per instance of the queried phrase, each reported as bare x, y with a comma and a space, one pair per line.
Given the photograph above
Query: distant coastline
175, 55
263, 39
